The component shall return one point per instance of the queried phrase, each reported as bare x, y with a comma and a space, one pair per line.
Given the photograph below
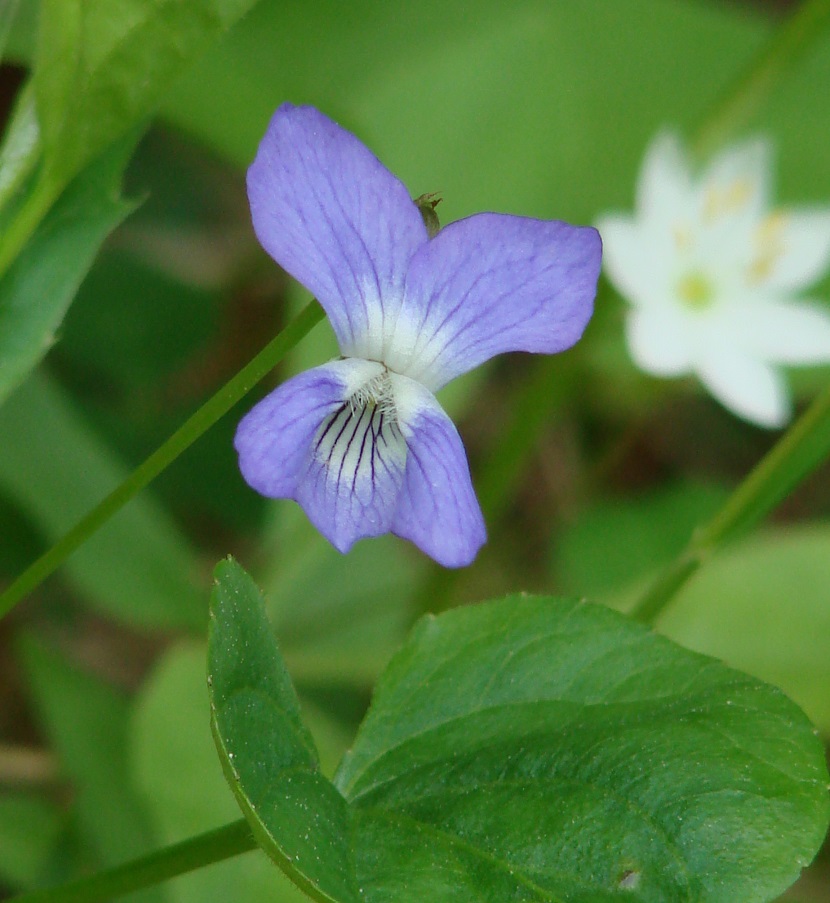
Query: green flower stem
807, 443
196, 852
20, 150
218, 405
548, 385
745, 97
26, 221
800, 450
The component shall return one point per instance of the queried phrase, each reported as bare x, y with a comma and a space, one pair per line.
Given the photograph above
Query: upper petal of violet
489, 284
331, 214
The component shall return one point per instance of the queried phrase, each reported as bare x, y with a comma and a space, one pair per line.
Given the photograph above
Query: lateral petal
782, 332
331, 214
751, 389
437, 507
493, 283
792, 249
274, 437
658, 341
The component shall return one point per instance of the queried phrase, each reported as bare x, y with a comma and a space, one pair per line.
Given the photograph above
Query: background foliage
592, 475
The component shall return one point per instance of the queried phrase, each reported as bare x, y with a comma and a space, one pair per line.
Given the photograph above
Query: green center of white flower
696, 291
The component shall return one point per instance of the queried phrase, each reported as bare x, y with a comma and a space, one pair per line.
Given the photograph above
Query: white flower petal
658, 342
792, 249
786, 332
631, 261
751, 389
664, 187
738, 179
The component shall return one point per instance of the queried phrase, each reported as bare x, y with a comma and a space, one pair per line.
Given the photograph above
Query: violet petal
493, 283
331, 214
437, 509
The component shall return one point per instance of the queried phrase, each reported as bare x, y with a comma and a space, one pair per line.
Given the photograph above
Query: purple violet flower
362, 443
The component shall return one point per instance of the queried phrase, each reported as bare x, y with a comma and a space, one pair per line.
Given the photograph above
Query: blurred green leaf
21, 38
21, 542
151, 331
38, 288
513, 112
20, 150
619, 540
175, 769
339, 617
139, 568
100, 68
86, 722
764, 606
531, 748
29, 830
510, 111
103, 65
8, 9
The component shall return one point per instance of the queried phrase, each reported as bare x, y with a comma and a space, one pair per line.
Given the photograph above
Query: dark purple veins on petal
360, 438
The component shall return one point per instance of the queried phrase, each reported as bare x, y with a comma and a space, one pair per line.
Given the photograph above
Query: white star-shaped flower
712, 274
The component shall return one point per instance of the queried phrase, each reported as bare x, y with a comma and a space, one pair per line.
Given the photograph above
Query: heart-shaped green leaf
526, 749
269, 758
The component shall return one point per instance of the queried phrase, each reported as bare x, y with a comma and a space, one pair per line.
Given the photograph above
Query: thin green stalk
218, 405
746, 95
20, 150
547, 386
807, 443
26, 221
799, 451
196, 852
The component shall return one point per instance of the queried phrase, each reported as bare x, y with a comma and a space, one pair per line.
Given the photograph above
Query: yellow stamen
769, 240
737, 195
722, 200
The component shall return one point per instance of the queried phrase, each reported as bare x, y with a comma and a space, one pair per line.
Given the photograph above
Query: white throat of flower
363, 438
